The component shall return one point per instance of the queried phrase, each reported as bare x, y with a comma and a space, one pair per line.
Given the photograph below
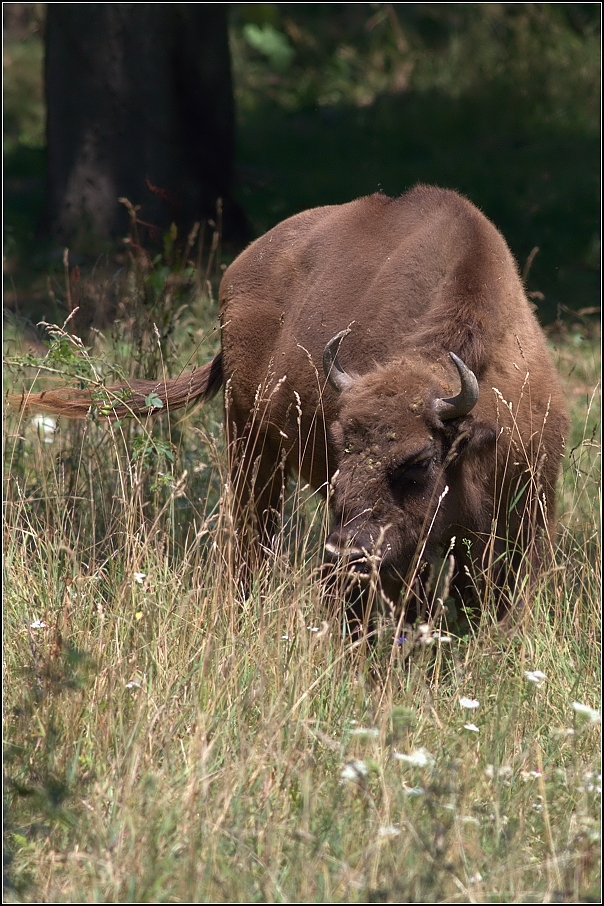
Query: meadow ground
169, 740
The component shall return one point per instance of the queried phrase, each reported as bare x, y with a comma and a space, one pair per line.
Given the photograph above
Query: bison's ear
482, 434
475, 435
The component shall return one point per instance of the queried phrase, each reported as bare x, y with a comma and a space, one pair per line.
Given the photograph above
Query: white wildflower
139, 578
593, 714
46, 426
442, 638
421, 758
503, 819
389, 830
535, 676
593, 783
504, 771
470, 703
425, 631
413, 791
354, 772
38, 624
530, 775
471, 727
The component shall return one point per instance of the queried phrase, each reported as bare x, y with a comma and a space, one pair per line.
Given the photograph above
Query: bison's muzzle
356, 558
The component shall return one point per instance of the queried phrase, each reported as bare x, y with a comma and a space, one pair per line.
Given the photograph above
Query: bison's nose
354, 558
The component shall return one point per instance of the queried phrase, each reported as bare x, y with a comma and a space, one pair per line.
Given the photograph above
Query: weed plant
170, 738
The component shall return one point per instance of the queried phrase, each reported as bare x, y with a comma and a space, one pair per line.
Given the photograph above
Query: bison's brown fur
414, 278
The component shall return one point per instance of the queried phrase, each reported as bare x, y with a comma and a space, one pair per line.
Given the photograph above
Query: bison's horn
335, 374
467, 397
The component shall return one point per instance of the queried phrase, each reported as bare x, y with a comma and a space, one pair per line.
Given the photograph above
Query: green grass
169, 740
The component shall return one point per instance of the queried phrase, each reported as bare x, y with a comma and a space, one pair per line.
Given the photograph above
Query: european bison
385, 351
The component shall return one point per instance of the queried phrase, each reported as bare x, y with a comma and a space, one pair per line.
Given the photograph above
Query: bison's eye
408, 475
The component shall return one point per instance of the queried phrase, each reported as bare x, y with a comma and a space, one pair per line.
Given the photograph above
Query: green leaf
270, 43
153, 401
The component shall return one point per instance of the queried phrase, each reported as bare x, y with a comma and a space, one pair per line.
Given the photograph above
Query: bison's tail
133, 398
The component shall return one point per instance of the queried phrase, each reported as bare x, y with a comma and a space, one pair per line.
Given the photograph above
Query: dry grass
169, 739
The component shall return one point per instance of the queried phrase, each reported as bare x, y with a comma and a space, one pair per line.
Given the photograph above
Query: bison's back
426, 270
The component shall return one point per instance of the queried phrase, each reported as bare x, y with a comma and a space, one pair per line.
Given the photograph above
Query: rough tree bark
138, 94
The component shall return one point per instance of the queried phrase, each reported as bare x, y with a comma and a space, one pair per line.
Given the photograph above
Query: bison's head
397, 442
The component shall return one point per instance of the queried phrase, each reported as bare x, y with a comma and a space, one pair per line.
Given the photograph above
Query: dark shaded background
499, 101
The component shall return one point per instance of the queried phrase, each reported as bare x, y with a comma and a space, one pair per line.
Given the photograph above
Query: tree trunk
139, 105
